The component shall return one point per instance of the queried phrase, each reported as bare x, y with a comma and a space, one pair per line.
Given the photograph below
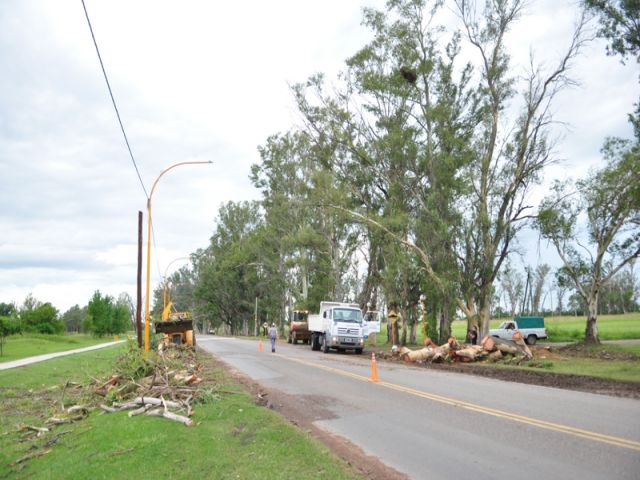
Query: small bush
134, 363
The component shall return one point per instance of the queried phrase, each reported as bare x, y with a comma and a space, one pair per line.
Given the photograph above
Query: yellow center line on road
578, 432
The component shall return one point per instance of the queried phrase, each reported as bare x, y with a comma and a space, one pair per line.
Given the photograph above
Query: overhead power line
113, 100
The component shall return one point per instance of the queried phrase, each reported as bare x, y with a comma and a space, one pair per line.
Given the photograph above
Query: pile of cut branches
164, 384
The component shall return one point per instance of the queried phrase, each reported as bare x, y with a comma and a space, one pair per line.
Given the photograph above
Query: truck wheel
531, 340
289, 339
294, 340
325, 346
359, 351
315, 343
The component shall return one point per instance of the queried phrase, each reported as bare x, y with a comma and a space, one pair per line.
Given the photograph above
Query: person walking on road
273, 334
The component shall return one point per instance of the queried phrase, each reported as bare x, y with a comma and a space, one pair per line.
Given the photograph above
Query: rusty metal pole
139, 299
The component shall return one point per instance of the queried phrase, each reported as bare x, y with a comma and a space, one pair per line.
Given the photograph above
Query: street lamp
147, 320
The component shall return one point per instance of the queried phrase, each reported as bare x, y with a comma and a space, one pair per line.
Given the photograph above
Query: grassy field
28, 345
621, 370
231, 438
610, 327
559, 329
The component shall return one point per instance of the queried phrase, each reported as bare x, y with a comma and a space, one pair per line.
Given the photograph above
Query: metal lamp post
147, 319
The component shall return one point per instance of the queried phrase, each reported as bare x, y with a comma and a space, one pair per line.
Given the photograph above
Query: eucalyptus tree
510, 150
74, 318
398, 129
432, 151
610, 199
314, 247
619, 24
512, 286
539, 279
620, 294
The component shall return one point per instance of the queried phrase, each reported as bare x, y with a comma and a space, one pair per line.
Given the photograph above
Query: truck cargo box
530, 322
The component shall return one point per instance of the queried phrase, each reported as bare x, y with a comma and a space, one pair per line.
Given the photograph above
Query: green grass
231, 438
611, 369
624, 370
16, 347
610, 327
634, 349
560, 329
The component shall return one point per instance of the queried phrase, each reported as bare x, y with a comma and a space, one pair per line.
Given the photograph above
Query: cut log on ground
470, 353
421, 355
495, 356
506, 346
488, 344
171, 416
518, 340
156, 401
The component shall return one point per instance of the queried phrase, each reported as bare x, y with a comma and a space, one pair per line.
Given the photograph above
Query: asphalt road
434, 424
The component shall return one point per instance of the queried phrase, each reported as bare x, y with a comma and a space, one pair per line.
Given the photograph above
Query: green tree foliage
7, 309
105, 316
314, 246
74, 318
240, 265
619, 24
620, 294
5, 330
610, 198
39, 317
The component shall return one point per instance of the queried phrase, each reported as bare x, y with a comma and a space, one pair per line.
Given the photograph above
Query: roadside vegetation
232, 437
34, 321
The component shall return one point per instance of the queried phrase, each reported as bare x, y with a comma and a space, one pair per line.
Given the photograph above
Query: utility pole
255, 320
139, 296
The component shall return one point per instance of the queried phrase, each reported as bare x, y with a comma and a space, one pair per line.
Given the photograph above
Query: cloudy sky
193, 80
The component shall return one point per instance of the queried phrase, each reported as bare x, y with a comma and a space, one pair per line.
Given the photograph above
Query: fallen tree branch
171, 416
155, 401
29, 457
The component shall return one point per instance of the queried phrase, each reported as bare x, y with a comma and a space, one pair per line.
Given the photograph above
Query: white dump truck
338, 326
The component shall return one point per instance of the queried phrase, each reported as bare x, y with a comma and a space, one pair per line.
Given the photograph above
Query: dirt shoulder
547, 379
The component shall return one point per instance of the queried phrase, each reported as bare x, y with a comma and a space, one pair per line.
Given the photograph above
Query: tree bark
591, 331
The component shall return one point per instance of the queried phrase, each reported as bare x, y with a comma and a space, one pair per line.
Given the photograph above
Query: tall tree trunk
591, 332
403, 339
445, 322
414, 324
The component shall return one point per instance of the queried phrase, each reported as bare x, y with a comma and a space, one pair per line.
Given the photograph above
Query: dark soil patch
547, 379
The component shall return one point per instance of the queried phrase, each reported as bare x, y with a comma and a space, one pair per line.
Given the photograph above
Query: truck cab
338, 326
299, 327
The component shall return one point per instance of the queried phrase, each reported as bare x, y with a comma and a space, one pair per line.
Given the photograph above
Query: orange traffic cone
374, 369
260, 345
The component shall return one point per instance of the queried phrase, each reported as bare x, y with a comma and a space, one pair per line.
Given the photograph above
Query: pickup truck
531, 329
338, 326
